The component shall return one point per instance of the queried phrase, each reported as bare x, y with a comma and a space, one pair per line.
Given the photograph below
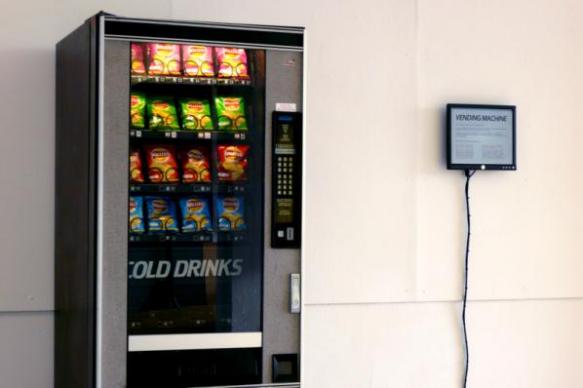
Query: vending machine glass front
196, 227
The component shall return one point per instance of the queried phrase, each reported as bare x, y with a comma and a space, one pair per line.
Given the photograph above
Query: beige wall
385, 220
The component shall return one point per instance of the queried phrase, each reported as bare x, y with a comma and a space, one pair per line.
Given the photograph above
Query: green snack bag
162, 113
231, 113
196, 114
138, 110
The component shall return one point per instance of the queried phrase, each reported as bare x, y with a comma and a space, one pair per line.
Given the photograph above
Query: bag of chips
232, 62
162, 166
136, 175
195, 165
164, 59
197, 61
138, 64
161, 214
136, 206
196, 114
162, 113
230, 213
137, 110
196, 215
231, 113
232, 162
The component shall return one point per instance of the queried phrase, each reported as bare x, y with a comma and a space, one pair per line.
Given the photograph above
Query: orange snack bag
232, 162
195, 165
136, 175
162, 166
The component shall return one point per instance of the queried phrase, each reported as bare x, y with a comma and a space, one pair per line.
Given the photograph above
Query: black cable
468, 175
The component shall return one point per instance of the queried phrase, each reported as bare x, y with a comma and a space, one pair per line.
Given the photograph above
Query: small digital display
284, 211
481, 137
284, 136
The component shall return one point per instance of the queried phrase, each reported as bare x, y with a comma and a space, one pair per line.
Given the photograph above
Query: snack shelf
168, 188
178, 80
180, 320
231, 236
171, 237
149, 134
230, 188
214, 236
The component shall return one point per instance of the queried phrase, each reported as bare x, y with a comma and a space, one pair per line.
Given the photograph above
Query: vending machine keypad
285, 168
286, 180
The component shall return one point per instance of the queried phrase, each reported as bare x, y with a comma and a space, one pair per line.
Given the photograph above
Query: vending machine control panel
286, 180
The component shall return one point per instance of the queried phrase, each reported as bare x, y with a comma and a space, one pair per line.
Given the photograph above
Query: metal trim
274, 385
204, 42
147, 343
231, 26
99, 210
304, 203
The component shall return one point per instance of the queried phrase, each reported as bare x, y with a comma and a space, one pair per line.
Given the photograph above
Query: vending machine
178, 204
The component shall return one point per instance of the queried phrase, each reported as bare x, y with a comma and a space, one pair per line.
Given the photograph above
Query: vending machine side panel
75, 201
281, 328
112, 216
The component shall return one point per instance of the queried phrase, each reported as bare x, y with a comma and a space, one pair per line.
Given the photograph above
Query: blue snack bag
196, 215
161, 214
136, 207
230, 213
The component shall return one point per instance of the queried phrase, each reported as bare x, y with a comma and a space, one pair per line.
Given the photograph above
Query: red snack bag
232, 162
138, 64
136, 175
162, 166
232, 62
197, 61
164, 59
195, 165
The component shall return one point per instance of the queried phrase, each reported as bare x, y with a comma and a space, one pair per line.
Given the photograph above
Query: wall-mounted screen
481, 137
